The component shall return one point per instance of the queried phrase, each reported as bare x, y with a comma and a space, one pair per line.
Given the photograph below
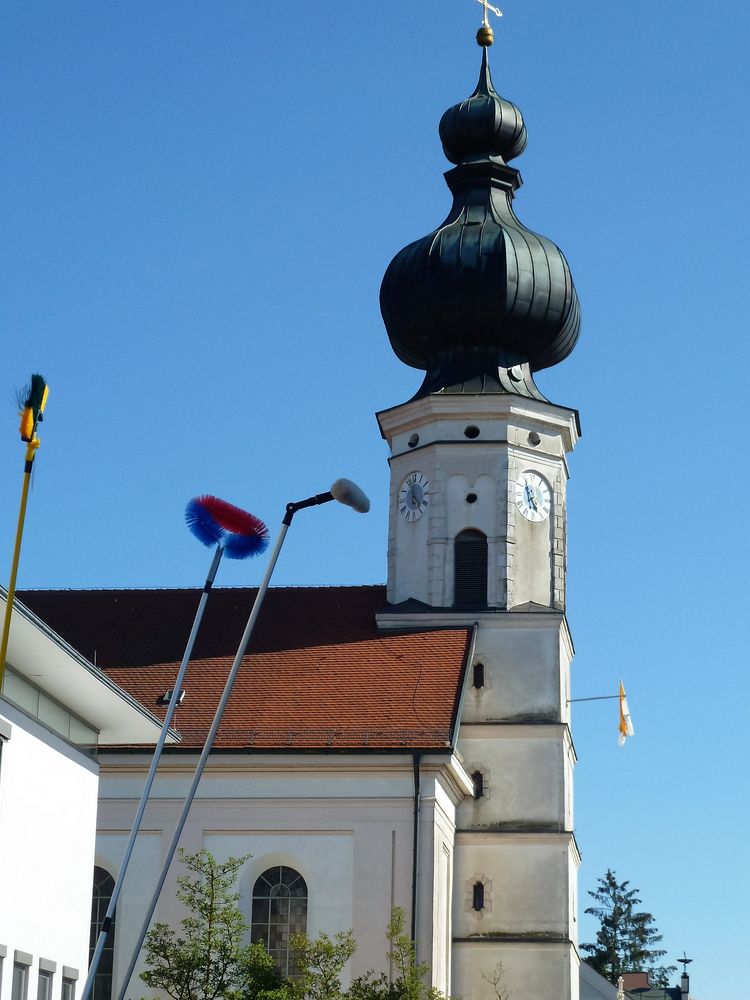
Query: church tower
477, 536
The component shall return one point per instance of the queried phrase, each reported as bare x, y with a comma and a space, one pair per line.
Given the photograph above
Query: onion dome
482, 302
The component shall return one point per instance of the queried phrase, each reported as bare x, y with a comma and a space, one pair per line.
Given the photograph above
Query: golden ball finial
485, 36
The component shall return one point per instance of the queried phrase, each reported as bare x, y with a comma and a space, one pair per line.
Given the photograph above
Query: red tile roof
319, 673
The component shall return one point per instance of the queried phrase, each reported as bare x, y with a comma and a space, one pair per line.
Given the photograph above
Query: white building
54, 709
405, 745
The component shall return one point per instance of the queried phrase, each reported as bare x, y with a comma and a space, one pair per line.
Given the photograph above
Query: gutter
416, 758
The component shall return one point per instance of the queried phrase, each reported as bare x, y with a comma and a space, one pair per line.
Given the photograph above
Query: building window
20, 985
478, 675
470, 562
478, 779
279, 912
104, 886
44, 985
68, 989
477, 901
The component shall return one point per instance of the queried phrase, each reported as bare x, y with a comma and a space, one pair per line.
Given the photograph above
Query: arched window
104, 886
279, 912
470, 560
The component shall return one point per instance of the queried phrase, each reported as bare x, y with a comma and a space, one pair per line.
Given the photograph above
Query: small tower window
477, 900
470, 558
478, 675
478, 779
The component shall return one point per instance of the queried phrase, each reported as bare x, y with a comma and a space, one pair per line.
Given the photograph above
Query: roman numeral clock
414, 496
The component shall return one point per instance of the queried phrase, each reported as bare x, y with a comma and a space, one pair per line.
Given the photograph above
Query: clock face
533, 497
413, 496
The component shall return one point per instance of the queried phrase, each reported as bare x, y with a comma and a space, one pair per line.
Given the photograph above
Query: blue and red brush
216, 522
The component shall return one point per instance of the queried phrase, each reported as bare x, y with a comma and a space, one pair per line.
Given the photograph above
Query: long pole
173, 702
257, 604
29, 465
599, 697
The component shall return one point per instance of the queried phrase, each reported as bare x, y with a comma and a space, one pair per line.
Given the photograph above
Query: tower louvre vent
470, 556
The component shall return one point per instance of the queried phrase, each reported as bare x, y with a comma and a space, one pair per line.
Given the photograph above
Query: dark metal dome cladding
482, 302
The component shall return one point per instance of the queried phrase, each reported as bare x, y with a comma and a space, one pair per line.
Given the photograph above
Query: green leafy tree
319, 964
207, 960
626, 936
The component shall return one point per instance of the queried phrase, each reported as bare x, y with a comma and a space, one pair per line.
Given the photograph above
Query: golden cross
487, 7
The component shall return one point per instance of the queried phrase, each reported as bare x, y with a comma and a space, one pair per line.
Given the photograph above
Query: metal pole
173, 701
209, 743
600, 697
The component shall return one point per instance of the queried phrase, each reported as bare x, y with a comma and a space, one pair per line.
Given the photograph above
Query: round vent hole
472, 431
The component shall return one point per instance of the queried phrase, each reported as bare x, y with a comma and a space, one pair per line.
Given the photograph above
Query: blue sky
199, 201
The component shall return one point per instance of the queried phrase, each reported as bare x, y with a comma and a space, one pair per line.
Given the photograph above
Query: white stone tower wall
516, 839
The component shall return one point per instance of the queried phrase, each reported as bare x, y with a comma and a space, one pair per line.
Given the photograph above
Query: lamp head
348, 493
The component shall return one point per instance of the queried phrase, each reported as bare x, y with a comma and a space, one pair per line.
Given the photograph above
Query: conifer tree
626, 936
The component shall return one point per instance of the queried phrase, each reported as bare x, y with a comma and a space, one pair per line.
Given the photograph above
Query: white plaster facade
53, 704
47, 828
345, 822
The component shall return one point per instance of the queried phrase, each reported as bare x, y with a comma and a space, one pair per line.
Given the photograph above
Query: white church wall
524, 657
435, 888
574, 863
523, 784
526, 880
147, 856
543, 972
48, 794
345, 822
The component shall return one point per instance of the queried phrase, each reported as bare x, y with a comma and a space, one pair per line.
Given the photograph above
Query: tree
625, 939
208, 960
496, 979
319, 965
409, 980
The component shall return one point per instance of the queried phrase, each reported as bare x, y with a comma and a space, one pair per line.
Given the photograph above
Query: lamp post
345, 492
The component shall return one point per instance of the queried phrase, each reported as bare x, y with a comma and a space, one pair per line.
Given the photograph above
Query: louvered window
470, 556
